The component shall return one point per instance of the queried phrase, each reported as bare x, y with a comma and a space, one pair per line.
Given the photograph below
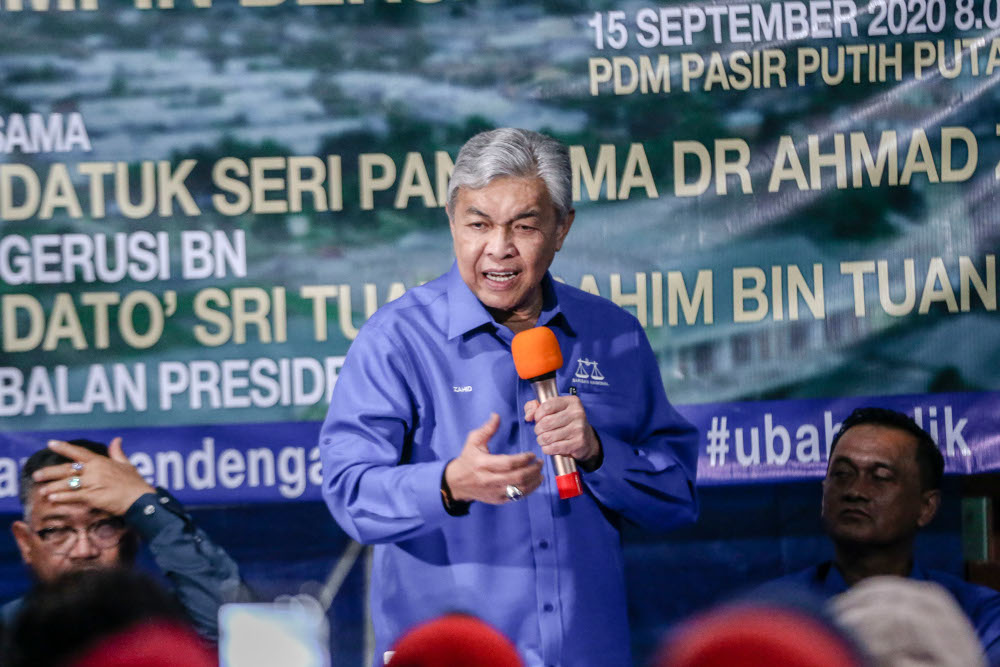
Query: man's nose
500, 243
858, 489
84, 547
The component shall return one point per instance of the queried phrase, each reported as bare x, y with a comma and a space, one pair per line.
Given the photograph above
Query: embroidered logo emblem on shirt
587, 372
462, 390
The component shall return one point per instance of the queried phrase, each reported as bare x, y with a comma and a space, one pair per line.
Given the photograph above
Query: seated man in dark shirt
87, 507
882, 485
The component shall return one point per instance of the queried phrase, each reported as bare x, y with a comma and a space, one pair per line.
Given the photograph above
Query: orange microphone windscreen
536, 352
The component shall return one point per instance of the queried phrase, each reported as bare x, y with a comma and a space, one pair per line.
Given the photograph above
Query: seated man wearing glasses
87, 507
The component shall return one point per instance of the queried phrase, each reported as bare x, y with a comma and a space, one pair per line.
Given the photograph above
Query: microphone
537, 357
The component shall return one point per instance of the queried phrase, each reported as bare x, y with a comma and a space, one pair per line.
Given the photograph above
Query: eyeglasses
103, 534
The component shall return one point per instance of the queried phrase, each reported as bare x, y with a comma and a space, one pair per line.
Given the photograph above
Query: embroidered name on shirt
587, 372
462, 390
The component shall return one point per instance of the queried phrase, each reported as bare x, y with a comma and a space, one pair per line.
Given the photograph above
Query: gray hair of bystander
903, 622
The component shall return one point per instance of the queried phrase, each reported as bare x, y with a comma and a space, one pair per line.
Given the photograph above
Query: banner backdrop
203, 200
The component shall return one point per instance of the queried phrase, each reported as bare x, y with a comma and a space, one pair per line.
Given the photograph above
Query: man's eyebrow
530, 213
60, 516
472, 210
846, 460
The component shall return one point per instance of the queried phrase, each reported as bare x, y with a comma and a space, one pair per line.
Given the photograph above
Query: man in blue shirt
86, 507
432, 446
883, 483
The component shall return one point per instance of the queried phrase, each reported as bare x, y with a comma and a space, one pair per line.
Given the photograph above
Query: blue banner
766, 441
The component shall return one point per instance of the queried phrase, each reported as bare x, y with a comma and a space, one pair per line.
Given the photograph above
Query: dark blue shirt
431, 366
201, 573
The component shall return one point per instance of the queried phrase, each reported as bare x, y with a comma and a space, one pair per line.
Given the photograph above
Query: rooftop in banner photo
150, 103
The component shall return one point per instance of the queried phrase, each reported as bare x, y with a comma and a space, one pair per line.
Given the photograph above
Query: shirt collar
552, 313
466, 313
833, 583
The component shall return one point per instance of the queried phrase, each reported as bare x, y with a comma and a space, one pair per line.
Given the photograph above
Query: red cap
536, 352
151, 644
454, 640
757, 636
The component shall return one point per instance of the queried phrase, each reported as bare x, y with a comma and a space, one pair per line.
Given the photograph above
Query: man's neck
860, 562
520, 319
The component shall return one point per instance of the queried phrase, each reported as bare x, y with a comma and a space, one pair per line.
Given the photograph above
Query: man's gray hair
518, 153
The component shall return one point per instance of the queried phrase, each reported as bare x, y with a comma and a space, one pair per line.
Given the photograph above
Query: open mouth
500, 276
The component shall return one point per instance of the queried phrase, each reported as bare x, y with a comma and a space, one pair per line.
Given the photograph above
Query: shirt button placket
542, 532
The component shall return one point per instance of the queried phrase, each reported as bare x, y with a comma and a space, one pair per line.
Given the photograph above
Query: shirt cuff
425, 484
151, 513
452, 506
618, 458
624, 461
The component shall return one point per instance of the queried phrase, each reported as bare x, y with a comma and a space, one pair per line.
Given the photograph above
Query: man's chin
850, 533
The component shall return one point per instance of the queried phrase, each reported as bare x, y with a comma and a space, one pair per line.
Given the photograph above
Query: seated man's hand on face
562, 429
476, 474
109, 484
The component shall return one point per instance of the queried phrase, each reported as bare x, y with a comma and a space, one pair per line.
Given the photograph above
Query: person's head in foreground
907, 623
102, 617
454, 640
767, 634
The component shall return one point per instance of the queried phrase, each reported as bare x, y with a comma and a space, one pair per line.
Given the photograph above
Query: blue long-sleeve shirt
431, 366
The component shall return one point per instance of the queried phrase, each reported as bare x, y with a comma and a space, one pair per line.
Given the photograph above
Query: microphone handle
567, 476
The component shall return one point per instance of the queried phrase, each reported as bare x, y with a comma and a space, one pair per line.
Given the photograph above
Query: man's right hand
110, 483
478, 475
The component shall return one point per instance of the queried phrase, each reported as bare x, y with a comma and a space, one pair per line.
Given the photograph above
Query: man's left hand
109, 483
561, 427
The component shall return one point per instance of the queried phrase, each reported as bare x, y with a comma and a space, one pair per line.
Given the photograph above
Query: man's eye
55, 534
107, 527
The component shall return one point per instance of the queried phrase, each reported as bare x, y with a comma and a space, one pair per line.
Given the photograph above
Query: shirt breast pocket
609, 411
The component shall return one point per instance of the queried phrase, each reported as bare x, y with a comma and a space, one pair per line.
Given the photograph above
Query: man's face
872, 492
506, 235
49, 560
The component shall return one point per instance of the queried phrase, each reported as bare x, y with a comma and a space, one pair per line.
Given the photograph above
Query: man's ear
23, 536
563, 229
929, 503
